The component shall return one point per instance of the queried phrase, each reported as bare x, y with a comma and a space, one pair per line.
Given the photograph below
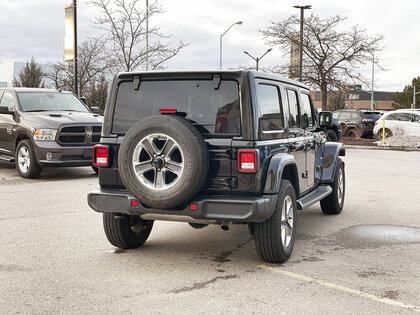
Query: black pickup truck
42, 127
214, 147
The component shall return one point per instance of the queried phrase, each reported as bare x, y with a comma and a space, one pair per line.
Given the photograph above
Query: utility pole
147, 35
373, 77
414, 96
75, 79
302, 8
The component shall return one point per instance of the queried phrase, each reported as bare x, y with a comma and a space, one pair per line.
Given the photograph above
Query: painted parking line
342, 288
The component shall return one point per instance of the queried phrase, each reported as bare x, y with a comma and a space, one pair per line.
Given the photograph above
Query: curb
368, 147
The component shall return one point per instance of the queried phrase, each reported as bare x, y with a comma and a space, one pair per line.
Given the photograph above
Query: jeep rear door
210, 104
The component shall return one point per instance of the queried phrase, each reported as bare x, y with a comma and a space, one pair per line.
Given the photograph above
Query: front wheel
274, 238
126, 231
331, 135
334, 202
26, 163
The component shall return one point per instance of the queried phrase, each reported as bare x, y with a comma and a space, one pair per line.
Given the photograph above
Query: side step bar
319, 193
6, 158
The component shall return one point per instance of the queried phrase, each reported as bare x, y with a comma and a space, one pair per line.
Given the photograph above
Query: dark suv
42, 127
357, 123
231, 147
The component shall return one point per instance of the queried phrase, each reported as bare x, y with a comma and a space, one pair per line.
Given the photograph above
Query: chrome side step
6, 158
319, 193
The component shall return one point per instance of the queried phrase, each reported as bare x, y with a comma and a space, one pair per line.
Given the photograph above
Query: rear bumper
217, 209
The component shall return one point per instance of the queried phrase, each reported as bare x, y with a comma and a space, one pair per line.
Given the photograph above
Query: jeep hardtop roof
194, 74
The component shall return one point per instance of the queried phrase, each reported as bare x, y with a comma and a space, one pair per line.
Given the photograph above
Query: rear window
214, 111
372, 116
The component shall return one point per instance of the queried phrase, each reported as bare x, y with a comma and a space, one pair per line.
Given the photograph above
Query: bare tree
30, 76
330, 56
125, 25
92, 64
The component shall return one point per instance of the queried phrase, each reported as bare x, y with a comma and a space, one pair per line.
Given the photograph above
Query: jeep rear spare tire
163, 161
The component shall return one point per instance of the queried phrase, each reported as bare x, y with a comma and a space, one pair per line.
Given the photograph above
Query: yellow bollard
383, 131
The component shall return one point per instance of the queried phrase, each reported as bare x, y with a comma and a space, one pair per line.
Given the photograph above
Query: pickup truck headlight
45, 134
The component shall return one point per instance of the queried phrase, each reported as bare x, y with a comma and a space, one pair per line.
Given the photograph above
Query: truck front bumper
211, 209
50, 153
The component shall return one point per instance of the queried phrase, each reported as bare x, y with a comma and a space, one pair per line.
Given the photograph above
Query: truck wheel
126, 232
25, 158
331, 135
274, 238
163, 161
351, 133
333, 203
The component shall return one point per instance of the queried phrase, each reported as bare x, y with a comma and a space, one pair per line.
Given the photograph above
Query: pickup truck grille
79, 135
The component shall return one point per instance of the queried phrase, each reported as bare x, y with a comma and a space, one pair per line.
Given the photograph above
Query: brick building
361, 99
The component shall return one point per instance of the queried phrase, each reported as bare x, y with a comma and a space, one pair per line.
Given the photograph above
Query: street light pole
373, 78
302, 8
75, 79
147, 35
221, 39
257, 59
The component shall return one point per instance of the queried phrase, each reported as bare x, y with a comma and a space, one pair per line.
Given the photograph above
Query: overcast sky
36, 28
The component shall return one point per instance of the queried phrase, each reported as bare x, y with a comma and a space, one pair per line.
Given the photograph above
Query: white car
399, 122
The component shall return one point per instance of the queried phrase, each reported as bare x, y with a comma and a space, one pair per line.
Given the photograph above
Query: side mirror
94, 109
325, 119
84, 100
5, 110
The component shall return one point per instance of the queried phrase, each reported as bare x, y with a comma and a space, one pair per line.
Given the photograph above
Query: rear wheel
274, 238
26, 162
334, 202
351, 133
125, 231
388, 134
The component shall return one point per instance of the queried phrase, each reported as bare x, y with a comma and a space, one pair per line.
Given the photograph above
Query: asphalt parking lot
55, 257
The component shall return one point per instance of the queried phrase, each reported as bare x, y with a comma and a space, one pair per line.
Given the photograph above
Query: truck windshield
211, 110
50, 101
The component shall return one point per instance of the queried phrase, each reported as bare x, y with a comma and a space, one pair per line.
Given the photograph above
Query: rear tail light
247, 161
167, 111
100, 156
376, 122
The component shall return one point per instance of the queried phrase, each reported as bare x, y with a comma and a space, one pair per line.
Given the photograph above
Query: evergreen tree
404, 99
30, 76
98, 93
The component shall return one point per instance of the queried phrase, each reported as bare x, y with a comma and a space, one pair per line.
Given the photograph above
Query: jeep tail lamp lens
45, 134
167, 111
247, 161
100, 156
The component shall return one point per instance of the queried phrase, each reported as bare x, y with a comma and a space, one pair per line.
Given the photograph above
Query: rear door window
306, 111
345, 116
214, 111
293, 109
269, 104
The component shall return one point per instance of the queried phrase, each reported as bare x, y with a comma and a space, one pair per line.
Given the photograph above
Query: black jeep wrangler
223, 147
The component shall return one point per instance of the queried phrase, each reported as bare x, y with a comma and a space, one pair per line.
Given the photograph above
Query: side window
391, 117
336, 115
306, 112
293, 109
269, 104
345, 116
404, 117
7, 100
